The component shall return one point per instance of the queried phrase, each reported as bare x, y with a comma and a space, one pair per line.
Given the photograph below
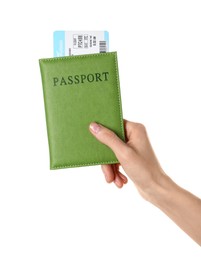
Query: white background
72, 213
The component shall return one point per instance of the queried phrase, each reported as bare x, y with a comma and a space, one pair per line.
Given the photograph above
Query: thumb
109, 138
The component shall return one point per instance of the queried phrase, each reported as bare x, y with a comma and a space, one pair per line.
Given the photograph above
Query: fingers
109, 138
112, 174
123, 177
108, 172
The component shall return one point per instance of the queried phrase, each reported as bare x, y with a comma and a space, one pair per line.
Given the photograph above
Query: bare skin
140, 164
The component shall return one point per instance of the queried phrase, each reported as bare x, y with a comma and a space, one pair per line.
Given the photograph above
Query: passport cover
78, 90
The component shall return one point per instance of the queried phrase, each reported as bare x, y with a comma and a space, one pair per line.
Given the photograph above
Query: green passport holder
79, 90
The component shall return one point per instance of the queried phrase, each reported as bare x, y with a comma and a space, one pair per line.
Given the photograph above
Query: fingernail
106, 178
95, 128
118, 184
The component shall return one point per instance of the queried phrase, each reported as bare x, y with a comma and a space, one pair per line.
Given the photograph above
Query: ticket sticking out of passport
69, 43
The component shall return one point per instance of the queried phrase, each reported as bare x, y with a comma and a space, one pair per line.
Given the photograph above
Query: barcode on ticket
102, 46
68, 43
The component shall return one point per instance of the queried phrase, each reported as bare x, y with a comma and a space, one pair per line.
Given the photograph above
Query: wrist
160, 193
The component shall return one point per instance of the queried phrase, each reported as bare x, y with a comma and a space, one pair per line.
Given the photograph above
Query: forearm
180, 205
138, 160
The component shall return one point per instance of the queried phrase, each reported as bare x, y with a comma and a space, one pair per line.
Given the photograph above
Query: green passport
78, 90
